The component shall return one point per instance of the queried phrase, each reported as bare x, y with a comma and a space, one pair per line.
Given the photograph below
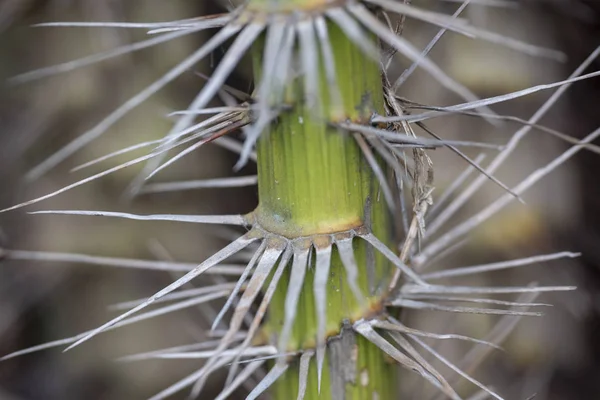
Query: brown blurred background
557, 357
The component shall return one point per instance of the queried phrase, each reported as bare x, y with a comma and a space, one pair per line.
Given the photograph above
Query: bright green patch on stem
312, 177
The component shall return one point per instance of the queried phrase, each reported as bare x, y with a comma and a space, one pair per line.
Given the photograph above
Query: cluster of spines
274, 252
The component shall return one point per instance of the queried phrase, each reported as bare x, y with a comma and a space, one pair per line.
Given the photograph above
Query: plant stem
313, 180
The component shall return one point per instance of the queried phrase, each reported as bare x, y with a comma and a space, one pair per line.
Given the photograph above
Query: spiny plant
340, 242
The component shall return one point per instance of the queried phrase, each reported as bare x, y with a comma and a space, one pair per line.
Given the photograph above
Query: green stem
313, 180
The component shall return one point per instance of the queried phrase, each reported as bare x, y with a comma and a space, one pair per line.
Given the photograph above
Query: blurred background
556, 357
